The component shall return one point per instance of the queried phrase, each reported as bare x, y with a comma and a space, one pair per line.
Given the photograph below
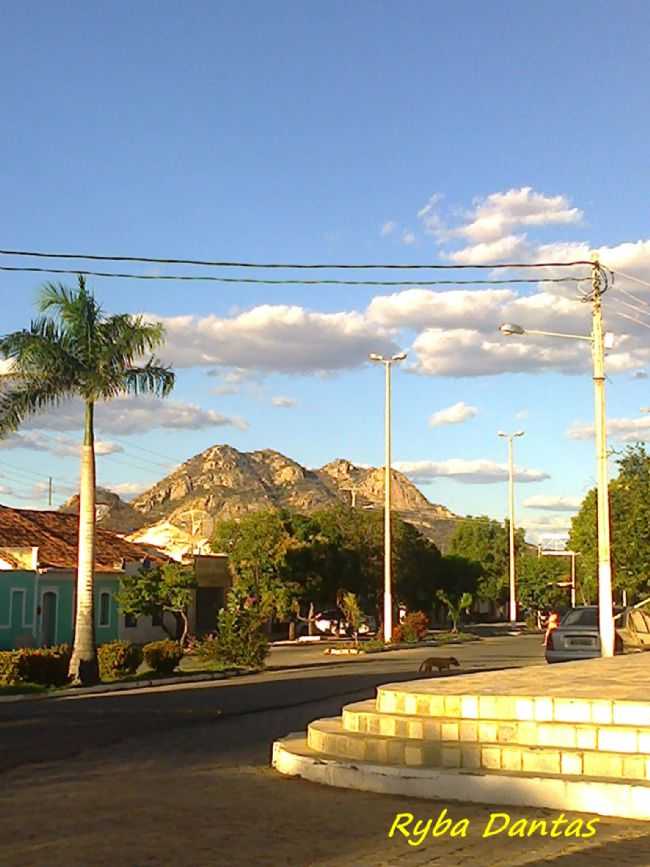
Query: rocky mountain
111, 511
222, 483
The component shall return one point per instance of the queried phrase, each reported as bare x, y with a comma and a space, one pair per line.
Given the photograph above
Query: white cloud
130, 415
388, 228
493, 217
431, 219
498, 250
621, 429
521, 415
455, 414
472, 472
639, 374
553, 504
285, 402
408, 238
128, 490
275, 338
221, 390
60, 446
425, 308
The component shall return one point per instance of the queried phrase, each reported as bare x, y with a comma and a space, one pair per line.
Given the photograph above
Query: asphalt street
181, 776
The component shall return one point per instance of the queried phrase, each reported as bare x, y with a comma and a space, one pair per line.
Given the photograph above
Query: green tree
537, 584
78, 351
349, 605
485, 542
455, 606
629, 499
169, 587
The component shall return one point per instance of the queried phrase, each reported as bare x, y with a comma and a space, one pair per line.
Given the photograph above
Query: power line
292, 282
263, 265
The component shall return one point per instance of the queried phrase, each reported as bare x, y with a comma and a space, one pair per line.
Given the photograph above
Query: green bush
162, 656
44, 665
9, 667
118, 659
240, 639
412, 629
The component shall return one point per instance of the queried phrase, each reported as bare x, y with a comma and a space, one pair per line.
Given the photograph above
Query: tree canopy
629, 499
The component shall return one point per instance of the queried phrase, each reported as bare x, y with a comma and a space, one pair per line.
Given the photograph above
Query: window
104, 609
17, 608
130, 621
157, 616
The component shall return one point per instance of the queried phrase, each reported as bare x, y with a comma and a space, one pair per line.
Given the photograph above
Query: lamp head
501, 434
400, 356
518, 433
375, 357
510, 329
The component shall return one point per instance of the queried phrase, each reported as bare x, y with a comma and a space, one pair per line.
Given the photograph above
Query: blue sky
304, 132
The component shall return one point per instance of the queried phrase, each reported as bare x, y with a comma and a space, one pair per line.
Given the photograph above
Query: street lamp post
388, 595
511, 499
598, 343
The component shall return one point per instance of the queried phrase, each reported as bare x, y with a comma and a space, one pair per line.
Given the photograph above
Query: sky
372, 132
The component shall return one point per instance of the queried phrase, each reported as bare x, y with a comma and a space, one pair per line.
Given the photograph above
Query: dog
439, 662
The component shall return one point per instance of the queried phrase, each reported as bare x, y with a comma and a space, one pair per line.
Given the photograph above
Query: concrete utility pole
49, 491
598, 342
511, 502
388, 593
605, 601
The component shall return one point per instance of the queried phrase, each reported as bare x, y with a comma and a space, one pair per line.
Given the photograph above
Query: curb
73, 692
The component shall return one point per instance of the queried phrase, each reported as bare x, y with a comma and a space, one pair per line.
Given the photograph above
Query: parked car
577, 637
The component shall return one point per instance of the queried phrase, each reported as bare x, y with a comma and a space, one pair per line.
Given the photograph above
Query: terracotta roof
8, 558
56, 536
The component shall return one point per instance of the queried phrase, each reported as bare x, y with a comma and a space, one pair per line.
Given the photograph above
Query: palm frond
27, 398
43, 350
153, 378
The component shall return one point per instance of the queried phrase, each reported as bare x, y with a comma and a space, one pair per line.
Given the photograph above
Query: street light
598, 343
511, 498
388, 597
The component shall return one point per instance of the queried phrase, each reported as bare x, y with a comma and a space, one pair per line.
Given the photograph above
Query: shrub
162, 656
118, 659
45, 665
240, 639
412, 629
9, 667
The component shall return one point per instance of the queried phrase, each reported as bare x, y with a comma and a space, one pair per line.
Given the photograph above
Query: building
38, 562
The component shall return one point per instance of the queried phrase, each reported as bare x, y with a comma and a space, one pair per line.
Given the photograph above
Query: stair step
622, 798
444, 699
331, 738
364, 718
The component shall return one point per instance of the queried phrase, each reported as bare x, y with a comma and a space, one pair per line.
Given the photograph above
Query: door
208, 602
48, 618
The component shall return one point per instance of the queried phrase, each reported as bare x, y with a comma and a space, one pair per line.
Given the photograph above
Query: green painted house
38, 561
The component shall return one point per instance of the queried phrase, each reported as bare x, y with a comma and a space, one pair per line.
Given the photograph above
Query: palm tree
79, 352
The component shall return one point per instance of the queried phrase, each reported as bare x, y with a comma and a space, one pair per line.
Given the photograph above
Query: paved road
180, 776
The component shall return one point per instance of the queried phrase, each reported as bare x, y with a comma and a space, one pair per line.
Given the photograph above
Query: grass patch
24, 689
454, 638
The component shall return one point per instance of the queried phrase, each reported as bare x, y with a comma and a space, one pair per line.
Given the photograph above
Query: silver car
577, 636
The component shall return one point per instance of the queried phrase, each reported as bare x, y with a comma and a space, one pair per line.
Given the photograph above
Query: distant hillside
222, 483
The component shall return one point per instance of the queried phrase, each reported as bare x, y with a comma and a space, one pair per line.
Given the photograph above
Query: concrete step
329, 737
631, 800
448, 700
364, 718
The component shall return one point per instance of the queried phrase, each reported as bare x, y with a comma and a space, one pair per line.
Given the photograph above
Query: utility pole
605, 611
49, 492
511, 503
388, 593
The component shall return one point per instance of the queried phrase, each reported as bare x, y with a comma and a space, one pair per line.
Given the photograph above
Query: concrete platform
574, 736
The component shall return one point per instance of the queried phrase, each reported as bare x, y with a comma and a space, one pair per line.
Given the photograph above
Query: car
577, 637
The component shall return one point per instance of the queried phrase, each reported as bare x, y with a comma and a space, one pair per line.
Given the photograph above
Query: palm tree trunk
83, 664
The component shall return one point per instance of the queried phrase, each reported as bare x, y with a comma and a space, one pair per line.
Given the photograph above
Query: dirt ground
173, 803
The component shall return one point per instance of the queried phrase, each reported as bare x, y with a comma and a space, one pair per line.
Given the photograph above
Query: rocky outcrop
111, 511
222, 483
